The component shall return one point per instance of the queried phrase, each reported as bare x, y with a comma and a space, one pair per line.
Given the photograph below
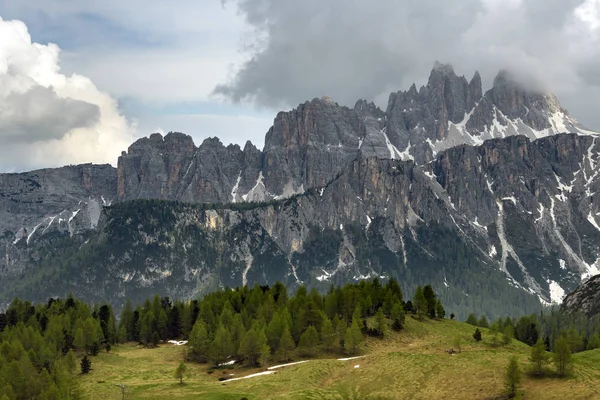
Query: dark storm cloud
39, 114
350, 49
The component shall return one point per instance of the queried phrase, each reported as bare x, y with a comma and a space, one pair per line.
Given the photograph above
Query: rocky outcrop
585, 299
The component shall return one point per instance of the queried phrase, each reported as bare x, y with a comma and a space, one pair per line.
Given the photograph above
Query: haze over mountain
415, 192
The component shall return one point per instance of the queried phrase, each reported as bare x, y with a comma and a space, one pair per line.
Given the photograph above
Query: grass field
411, 364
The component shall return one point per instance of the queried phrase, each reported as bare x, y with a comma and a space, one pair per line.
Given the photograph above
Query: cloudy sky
81, 79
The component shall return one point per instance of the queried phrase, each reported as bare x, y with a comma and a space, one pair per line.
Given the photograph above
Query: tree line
45, 346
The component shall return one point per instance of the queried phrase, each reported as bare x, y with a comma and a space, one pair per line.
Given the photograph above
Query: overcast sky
81, 79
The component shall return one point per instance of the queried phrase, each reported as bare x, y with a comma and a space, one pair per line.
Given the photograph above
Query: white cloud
48, 118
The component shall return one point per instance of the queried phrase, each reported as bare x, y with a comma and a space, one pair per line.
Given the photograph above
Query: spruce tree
381, 323
439, 310
477, 335
199, 342
562, 356
328, 335
308, 342
430, 298
353, 338
420, 303
180, 372
483, 322
538, 357
286, 345
86, 365
254, 347
472, 320
221, 346
508, 335
512, 378
397, 316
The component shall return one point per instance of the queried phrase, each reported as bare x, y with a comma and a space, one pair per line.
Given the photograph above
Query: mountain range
492, 197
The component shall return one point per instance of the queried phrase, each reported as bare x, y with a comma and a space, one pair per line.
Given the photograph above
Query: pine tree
439, 309
512, 378
155, 339
286, 345
562, 356
397, 316
508, 335
199, 342
483, 322
254, 346
420, 303
221, 346
477, 335
430, 299
86, 365
180, 372
594, 342
539, 357
328, 335
381, 323
472, 320
353, 338
308, 342
274, 331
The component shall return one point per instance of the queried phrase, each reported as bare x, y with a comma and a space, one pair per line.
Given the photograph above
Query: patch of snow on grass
251, 376
286, 365
349, 358
179, 343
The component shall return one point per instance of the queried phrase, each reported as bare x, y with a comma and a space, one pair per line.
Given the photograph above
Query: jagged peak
445, 69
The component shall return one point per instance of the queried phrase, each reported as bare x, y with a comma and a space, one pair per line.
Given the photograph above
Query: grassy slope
407, 365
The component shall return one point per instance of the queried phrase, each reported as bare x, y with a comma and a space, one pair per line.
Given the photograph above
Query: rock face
337, 194
586, 298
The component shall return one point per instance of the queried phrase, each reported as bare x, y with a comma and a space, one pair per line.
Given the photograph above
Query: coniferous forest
44, 347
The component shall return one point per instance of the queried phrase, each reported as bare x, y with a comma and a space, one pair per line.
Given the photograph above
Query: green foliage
477, 335
254, 347
483, 322
512, 378
439, 309
381, 323
397, 316
562, 356
199, 342
309, 342
180, 372
457, 343
508, 335
286, 345
539, 357
86, 365
420, 303
472, 320
353, 338
328, 336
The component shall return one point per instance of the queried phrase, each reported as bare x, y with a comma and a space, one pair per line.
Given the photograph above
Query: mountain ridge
520, 207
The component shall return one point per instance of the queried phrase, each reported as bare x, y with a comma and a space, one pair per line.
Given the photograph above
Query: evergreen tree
472, 320
328, 336
221, 346
430, 299
512, 378
397, 316
594, 342
420, 303
180, 372
274, 331
155, 339
477, 335
353, 338
86, 365
539, 357
254, 347
309, 342
508, 335
483, 322
286, 345
382, 326
199, 342
439, 309
562, 356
